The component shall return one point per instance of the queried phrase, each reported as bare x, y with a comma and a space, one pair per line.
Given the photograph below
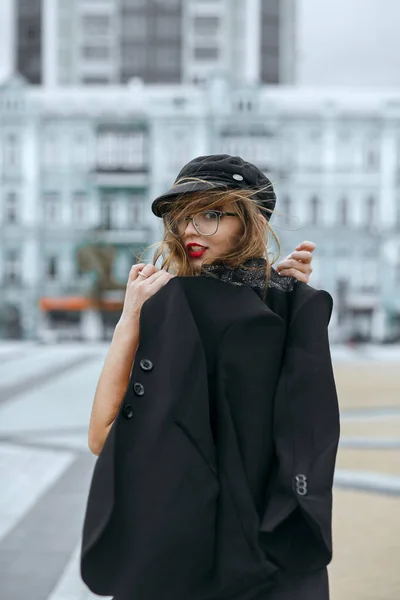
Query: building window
372, 155
12, 266
370, 213
256, 148
315, 210
52, 207
106, 213
206, 25
134, 154
96, 24
96, 52
106, 151
121, 150
52, 268
343, 212
243, 105
80, 208
80, 154
11, 208
135, 212
50, 153
206, 53
346, 149
11, 151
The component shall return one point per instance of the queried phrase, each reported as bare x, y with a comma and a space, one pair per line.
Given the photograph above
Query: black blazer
215, 481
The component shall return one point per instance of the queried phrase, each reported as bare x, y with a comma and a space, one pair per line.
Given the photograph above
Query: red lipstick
195, 250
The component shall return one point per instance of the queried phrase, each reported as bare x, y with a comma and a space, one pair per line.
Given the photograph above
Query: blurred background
101, 104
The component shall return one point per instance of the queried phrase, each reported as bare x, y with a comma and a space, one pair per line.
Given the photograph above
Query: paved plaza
46, 394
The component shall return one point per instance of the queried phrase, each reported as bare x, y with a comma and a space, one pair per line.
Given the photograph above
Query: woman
217, 447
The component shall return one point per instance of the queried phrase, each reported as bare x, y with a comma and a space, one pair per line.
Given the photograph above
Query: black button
128, 411
138, 388
146, 364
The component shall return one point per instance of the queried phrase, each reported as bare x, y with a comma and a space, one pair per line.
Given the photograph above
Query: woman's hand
298, 263
139, 289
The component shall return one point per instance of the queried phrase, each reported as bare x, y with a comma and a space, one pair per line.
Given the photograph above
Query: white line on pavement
26, 474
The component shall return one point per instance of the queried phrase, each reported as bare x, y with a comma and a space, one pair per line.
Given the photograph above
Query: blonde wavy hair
252, 242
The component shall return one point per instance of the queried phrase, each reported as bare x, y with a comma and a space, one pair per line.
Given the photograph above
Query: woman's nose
192, 228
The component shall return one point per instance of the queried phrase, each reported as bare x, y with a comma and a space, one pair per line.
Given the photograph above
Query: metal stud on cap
237, 177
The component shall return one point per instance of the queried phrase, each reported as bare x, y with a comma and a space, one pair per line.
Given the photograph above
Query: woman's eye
210, 215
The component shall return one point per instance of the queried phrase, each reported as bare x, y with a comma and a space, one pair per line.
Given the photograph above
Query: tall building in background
151, 40
29, 39
106, 42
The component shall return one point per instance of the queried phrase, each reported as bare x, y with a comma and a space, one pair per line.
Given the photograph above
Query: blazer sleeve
296, 524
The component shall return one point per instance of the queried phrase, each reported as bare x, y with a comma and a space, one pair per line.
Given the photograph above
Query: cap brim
184, 188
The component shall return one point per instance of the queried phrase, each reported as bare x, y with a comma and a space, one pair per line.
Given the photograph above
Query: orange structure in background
78, 303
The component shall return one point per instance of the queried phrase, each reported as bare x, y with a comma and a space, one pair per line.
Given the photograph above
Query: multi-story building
92, 42
28, 39
76, 158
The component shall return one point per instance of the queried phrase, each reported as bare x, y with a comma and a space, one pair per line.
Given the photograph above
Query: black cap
220, 171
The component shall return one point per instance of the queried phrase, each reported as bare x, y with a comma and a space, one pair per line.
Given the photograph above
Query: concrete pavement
46, 394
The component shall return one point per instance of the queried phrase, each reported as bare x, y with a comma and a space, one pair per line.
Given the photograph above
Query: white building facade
73, 159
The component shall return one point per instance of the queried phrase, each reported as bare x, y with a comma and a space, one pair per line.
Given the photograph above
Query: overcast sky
340, 42
349, 42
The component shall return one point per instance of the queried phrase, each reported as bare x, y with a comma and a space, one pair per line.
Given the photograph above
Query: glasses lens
206, 222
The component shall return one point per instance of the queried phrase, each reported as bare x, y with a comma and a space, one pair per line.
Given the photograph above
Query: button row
138, 388
301, 484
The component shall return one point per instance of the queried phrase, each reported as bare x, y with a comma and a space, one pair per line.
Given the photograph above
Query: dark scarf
252, 273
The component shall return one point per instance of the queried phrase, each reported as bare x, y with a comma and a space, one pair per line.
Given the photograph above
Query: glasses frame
219, 213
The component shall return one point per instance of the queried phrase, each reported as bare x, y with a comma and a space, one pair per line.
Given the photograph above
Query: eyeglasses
205, 223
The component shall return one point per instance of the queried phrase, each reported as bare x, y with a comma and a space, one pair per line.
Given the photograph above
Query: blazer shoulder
287, 295
319, 300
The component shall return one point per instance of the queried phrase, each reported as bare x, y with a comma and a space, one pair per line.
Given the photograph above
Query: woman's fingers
134, 272
157, 280
306, 245
146, 268
302, 255
302, 262
298, 263
139, 289
299, 266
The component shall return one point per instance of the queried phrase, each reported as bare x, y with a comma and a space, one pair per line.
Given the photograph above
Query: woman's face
221, 242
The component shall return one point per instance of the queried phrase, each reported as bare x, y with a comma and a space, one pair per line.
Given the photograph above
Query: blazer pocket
198, 447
